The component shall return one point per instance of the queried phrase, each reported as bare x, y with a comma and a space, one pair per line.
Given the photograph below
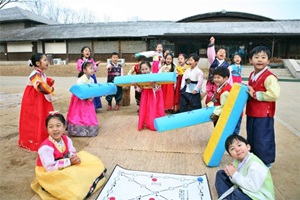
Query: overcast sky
122, 10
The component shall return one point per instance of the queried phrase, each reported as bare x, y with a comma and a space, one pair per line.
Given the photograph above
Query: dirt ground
17, 165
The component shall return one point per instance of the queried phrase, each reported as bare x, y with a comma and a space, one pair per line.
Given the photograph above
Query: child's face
181, 60
114, 59
238, 150
89, 70
43, 63
86, 53
56, 128
192, 62
221, 54
219, 80
168, 60
159, 48
145, 69
259, 61
237, 59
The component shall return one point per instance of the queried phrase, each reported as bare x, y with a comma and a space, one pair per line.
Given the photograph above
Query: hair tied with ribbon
54, 112
30, 63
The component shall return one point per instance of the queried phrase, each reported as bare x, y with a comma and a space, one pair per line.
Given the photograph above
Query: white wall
56, 47
19, 47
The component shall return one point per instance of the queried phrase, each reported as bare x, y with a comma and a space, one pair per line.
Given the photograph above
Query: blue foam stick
86, 91
146, 79
184, 119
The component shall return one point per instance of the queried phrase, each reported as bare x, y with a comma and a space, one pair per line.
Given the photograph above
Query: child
156, 65
86, 57
82, 118
152, 103
247, 177
260, 109
36, 104
114, 69
61, 173
168, 89
191, 86
136, 69
235, 70
215, 61
219, 98
180, 69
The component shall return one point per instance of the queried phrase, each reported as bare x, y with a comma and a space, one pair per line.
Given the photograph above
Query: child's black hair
182, 54
194, 56
114, 54
142, 58
56, 115
230, 139
145, 62
35, 58
259, 49
83, 66
222, 71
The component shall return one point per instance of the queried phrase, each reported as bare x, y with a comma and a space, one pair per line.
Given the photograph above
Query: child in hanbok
152, 103
168, 89
36, 104
180, 69
191, 86
82, 119
86, 57
158, 58
216, 60
61, 173
235, 69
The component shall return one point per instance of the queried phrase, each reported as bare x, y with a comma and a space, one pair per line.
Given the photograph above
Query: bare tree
51, 10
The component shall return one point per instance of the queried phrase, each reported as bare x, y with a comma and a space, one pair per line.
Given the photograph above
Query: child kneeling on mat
247, 177
62, 173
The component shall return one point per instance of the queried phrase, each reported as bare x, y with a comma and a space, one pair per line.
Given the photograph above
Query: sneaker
117, 107
108, 108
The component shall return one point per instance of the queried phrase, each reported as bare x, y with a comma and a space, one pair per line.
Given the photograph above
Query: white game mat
126, 184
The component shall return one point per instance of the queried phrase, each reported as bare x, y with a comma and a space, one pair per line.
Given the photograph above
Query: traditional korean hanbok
168, 89
151, 106
97, 100
35, 107
56, 178
82, 119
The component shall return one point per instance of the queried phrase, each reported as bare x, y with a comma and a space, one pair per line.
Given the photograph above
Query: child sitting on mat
152, 101
61, 173
247, 177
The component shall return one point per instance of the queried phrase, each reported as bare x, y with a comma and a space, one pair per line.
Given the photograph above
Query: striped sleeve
40, 85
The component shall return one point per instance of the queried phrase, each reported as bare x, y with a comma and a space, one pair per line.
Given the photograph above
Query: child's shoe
108, 108
117, 107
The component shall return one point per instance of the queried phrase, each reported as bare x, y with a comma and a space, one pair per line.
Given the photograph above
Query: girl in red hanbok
152, 103
36, 104
168, 89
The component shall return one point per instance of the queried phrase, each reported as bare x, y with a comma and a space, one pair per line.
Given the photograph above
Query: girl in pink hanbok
81, 118
152, 102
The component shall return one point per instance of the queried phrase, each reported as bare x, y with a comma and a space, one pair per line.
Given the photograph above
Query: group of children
247, 178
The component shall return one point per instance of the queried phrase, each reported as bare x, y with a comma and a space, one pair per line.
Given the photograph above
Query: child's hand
152, 83
110, 67
134, 84
75, 160
194, 92
91, 99
212, 40
98, 63
251, 91
230, 170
